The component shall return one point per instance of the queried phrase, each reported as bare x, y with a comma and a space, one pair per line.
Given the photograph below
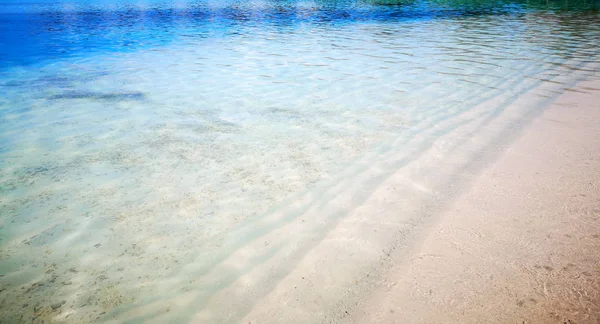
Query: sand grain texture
522, 244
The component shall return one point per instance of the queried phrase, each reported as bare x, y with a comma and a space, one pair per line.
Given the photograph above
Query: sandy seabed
491, 214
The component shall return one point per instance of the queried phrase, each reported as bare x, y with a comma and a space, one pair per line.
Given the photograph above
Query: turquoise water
177, 161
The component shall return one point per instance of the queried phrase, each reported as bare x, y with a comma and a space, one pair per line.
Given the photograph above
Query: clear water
175, 161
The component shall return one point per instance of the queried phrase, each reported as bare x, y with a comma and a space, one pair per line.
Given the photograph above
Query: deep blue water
45, 30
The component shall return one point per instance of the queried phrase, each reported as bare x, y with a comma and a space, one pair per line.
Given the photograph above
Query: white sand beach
522, 244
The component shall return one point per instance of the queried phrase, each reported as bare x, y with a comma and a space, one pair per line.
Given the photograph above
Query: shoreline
522, 244
361, 249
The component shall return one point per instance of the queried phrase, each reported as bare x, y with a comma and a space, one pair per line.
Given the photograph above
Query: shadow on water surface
117, 96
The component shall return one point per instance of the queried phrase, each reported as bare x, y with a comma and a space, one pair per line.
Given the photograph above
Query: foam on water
186, 177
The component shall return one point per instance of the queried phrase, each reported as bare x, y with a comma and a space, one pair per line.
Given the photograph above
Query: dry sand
522, 244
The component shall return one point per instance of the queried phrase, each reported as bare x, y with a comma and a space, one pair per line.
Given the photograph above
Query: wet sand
521, 244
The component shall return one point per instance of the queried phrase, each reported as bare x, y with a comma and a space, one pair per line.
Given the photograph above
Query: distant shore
522, 244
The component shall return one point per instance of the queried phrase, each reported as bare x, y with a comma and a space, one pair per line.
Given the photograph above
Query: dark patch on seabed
91, 95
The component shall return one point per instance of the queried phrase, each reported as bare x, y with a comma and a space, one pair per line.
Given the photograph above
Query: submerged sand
488, 214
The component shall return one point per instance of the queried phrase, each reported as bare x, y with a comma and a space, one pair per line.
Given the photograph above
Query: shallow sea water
175, 161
